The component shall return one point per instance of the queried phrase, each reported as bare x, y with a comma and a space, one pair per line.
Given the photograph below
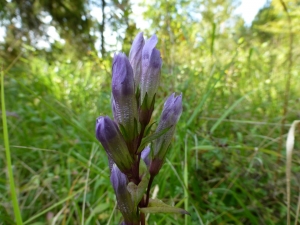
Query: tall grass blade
71, 196
111, 214
210, 87
226, 113
184, 187
289, 151
86, 183
8, 158
185, 179
213, 35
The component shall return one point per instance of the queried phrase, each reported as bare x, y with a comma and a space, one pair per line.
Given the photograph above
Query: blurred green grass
224, 152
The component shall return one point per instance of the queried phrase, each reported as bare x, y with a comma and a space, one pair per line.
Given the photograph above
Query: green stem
148, 190
8, 158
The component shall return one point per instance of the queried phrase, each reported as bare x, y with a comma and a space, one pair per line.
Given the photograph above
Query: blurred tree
271, 21
28, 21
265, 15
182, 22
190, 30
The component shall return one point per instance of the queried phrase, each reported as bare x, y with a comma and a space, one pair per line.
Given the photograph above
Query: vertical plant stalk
285, 111
143, 218
185, 179
102, 27
289, 151
213, 35
287, 82
86, 186
148, 190
8, 158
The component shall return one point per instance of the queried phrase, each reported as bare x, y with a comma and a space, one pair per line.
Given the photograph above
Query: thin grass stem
185, 179
13, 190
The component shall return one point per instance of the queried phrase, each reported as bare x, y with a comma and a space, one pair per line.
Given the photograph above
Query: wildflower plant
135, 156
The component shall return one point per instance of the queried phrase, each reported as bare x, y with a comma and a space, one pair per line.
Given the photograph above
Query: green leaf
148, 128
229, 110
137, 95
137, 191
157, 206
123, 131
152, 137
144, 102
136, 128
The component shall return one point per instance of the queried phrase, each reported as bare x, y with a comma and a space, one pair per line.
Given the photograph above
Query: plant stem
140, 137
142, 218
148, 190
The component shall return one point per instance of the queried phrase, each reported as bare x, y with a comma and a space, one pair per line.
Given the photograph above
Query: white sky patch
96, 12
43, 44
137, 16
109, 36
52, 36
47, 19
2, 33
249, 8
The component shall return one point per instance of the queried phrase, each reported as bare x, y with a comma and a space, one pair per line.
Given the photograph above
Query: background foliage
240, 88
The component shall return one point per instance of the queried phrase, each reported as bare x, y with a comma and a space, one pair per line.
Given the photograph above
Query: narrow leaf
13, 191
157, 206
148, 128
229, 110
152, 137
123, 132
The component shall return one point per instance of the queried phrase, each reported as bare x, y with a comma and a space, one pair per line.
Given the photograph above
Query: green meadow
227, 163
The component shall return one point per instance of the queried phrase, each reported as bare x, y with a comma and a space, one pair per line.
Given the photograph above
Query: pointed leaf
152, 137
137, 191
157, 206
136, 128
123, 131
148, 128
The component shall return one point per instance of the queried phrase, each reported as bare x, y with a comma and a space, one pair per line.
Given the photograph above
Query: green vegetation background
240, 88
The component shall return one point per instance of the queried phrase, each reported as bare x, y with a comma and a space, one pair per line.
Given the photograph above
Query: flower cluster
134, 164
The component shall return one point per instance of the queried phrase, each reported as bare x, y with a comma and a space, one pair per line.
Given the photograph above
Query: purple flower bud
113, 104
125, 203
107, 132
169, 118
145, 155
124, 100
135, 57
151, 66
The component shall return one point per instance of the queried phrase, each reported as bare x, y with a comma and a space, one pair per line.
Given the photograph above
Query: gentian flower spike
132, 171
124, 100
125, 204
170, 115
107, 132
135, 57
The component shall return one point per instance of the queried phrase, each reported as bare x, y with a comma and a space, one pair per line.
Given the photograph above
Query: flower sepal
146, 110
137, 191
